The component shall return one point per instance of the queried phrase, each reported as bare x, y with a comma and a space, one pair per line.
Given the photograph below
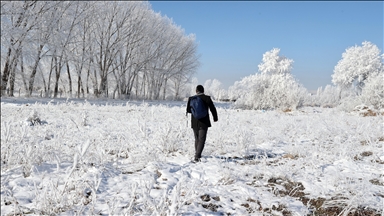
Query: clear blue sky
232, 36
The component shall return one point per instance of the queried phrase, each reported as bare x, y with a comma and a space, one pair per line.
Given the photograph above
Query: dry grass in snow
116, 157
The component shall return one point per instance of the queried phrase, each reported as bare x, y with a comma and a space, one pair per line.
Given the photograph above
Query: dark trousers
200, 136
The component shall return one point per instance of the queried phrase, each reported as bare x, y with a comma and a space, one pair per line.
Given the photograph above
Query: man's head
199, 89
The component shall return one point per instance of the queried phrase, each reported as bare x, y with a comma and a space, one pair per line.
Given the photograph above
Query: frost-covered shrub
34, 119
347, 99
264, 91
329, 97
348, 104
214, 88
332, 96
373, 91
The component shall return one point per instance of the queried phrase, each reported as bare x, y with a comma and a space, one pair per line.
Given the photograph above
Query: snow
114, 157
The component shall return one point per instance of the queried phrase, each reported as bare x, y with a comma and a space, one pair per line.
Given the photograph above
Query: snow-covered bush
356, 65
348, 104
273, 88
214, 88
373, 91
331, 96
33, 119
263, 91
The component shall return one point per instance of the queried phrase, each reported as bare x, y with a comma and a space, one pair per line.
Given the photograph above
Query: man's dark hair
200, 89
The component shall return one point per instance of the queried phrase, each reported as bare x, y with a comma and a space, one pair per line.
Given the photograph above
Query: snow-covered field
111, 157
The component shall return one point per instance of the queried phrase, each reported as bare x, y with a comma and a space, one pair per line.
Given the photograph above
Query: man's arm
213, 110
188, 106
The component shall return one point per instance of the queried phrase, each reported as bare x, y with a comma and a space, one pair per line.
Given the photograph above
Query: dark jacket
204, 122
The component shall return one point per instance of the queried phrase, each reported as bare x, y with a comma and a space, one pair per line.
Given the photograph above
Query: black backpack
198, 107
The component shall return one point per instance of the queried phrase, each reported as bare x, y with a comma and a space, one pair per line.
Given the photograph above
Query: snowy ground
76, 157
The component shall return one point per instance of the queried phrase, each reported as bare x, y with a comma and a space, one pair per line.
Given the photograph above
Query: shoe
197, 160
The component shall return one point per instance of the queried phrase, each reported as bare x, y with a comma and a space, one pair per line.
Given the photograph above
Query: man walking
200, 124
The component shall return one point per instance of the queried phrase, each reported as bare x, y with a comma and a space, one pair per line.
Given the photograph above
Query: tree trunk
6, 72
95, 88
56, 89
165, 88
44, 83
34, 70
57, 70
79, 86
69, 80
87, 82
104, 86
12, 72
12, 78
23, 74
48, 92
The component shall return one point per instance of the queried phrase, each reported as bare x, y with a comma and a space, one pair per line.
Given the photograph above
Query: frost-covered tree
20, 21
273, 63
357, 63
113, 49
274, 87
263, 91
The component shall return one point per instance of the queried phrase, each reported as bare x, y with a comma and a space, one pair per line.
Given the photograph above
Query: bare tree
109, 37
17, 20
130, 60
123, 47
47, 19
65, 36
80, 49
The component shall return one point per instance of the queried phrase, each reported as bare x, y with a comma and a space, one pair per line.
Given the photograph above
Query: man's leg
196, 134
200, 141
